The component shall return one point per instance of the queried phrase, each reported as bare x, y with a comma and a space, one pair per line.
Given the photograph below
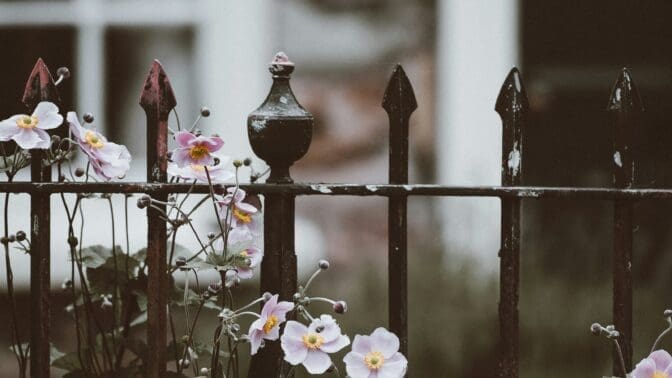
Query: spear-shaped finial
625, 96
512, 97
399, 96
157, 94
40, 87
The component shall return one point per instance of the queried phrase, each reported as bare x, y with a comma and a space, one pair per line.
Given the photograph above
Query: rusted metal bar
326, 189
512, 107
40, 87
399, 103
625, 106
158, 100
280, 131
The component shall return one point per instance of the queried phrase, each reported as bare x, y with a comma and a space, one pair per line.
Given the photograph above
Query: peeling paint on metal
259, 124
617, 159
514, 160
321, 189
372, 188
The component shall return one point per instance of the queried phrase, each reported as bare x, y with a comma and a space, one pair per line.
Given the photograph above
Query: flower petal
32, 138
75, 127
661, 358
267, 310
255, 341
394, 367
181, 157
355, 366
47, 115
317, 362
184, 138
334, 346
644, 369
8, 129
282, 309
384, 341
361, 344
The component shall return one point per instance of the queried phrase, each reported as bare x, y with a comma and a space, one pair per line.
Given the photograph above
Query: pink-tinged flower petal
282, 309
213, 143
184, 138
334, 346
32, 138
644, 369
8, 129
47, 115
317, 362
268, 306
384, 341
355, 365
245, 274
240, 236
294, 332
75, 127
661, 358
246, 207
115, 160
393, 367
361, 344
255, 337
331, 331
181, 157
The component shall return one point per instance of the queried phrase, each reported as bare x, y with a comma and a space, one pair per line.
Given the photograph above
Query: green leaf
68, 362
96, 255
102, 277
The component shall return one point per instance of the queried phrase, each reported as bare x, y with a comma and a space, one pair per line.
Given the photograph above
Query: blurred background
456, 54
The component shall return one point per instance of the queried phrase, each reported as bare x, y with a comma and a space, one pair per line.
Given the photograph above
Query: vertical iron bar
280, 131
512, 107
399, 103
157, 99
625, 107
40, 87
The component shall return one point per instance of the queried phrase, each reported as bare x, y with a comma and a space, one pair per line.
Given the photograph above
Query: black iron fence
281, 135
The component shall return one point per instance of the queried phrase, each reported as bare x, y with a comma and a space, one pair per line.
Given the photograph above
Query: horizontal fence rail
280, 131
364, 190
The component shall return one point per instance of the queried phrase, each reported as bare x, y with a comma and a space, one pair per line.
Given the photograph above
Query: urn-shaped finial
280, 129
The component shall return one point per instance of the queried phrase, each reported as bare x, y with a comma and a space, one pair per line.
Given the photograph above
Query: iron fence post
280, 131
625, 107
158, 100
512, 107
40, 87
399, 103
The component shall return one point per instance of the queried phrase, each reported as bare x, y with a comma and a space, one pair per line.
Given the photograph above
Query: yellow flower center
198, 152
659, 374
313, 340
27, 122
241, 216
374, 360
244, 253
93, 140
271, 322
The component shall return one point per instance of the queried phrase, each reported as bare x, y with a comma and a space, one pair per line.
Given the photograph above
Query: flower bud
211, 235
214, 288
67, 284
614, 335
231, 278
144, 201
180, 261
296, 297
235, 327
237, 163
79, 172
21, 235
206, 295
205, 112
596, 329
105, 304
247, 162
55, 139
72, 241
63, 72
323, 264
667, 313
340, 307
205, 371
267, 296
12, 238
185, 339
89, 118
184, 363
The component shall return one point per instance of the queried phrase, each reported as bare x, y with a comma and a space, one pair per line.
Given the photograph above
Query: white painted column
90, 70
478, 43
232, 52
